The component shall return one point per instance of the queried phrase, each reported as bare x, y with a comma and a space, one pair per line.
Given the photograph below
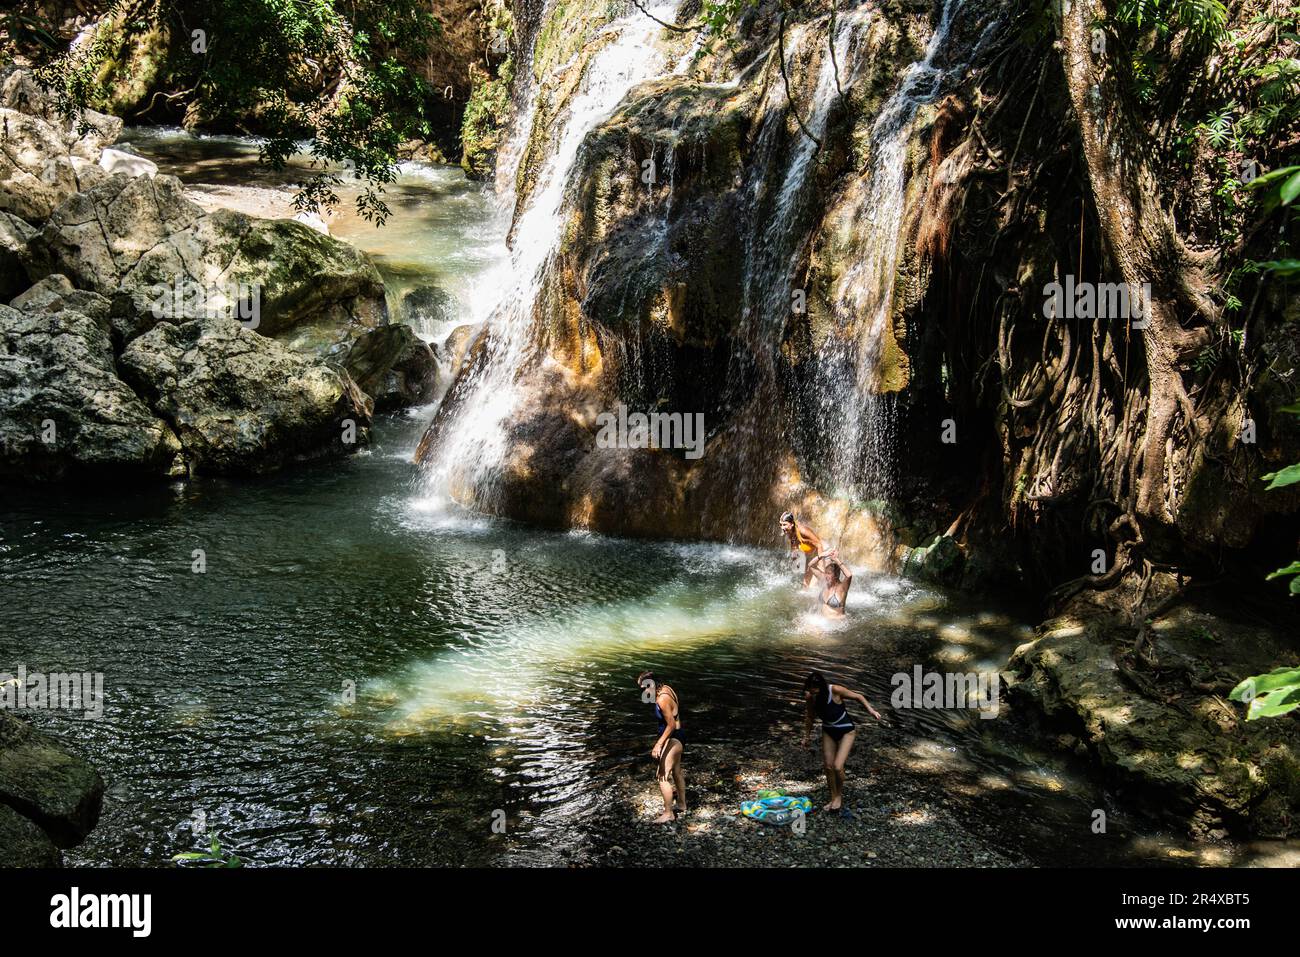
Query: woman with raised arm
826, 701
804, 543
836, 579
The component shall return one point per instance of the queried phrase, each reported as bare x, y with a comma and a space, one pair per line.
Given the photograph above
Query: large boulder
394, 366
429, 306
64, 413
241, 403
44, 783
1170, 734
47, 157
144, 237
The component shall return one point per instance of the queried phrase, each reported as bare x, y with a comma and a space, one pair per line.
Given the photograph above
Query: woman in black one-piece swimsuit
668, 747
826, 701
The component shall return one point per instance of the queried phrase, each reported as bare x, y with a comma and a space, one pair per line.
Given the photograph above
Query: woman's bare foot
666, 818
828, 806
679, 808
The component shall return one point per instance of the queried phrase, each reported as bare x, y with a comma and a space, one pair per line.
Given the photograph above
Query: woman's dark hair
644, 676
816, 681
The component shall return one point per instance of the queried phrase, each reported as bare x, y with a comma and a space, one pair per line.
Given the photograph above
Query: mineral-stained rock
242, 403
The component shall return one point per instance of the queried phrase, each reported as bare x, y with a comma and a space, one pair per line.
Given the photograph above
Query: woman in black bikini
826, 701
668, 748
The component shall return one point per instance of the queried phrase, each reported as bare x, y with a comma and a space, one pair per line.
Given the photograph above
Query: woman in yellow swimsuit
804, 543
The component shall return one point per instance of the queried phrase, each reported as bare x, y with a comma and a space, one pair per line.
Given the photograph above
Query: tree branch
785, 78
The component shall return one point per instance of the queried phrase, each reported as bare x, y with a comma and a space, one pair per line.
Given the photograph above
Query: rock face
143, 237
45, 786
64, 413
1183, 748
14, 234
675, 295
44, 159
394, 366
241, 403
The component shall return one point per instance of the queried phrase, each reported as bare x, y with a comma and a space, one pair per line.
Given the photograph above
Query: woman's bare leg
679, 777
671, 753
832, 781
841, 755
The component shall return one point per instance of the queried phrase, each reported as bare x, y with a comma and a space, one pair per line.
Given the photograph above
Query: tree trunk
1140, 238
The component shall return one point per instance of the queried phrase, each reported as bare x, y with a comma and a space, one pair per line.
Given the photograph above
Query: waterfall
774, 251
861, 448
473, 445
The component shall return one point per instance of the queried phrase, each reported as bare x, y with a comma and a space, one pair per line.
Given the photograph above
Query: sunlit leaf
1287, 476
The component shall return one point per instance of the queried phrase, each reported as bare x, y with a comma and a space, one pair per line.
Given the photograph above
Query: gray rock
45, 157
46, 784
119, 161
241, 403
394, 366
429, 305
144, 237
55, 293
23, 844
85, 134
64, 413
14, 234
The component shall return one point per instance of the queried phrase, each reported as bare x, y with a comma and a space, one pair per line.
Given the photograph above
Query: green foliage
718, 18
335, 75
483, 123
1270, 695
1287, 476
1280, 479
26, 30
214, 856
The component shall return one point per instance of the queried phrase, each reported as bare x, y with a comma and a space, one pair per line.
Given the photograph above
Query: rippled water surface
493, 666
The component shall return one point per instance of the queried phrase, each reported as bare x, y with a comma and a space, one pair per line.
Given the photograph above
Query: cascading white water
473, 445
864, 294
773, 251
